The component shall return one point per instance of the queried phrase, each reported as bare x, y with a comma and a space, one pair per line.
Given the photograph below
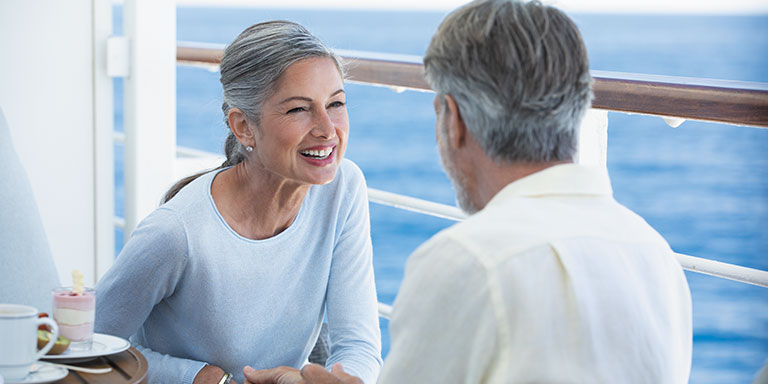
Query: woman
241, 264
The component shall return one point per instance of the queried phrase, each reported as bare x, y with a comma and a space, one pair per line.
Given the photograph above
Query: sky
608, 6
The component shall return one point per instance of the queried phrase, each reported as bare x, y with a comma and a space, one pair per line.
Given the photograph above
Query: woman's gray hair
250, 69
519, 73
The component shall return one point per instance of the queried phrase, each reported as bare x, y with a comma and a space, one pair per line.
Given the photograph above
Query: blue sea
704, 186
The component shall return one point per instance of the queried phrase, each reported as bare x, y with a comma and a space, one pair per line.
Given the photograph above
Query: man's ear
455, 127
240, 127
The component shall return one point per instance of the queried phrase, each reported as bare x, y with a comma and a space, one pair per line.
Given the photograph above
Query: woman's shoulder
350, 174
192, 195
183, 211
159, 232
349, 182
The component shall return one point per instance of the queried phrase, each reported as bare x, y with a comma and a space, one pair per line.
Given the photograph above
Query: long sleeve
443, 326
168, 369
352, 306
148, 269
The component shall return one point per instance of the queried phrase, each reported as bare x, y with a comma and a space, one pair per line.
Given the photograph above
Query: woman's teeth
318, 154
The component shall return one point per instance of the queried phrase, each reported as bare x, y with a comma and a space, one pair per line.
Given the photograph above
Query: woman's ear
455, 127
240, 127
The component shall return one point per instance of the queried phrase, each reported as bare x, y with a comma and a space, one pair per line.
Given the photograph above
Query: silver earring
249, 148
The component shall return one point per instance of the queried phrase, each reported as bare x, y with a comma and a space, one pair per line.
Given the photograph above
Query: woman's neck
256, 203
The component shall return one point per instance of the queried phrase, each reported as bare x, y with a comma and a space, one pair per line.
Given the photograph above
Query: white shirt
553, 281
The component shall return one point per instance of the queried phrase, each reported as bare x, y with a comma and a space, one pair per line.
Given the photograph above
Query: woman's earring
249, 148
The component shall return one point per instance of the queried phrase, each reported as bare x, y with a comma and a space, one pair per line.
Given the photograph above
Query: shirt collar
563, 179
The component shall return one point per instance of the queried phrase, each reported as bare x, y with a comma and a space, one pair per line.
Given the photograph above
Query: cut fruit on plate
61, 345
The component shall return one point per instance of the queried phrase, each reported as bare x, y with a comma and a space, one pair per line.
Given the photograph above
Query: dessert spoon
41, 364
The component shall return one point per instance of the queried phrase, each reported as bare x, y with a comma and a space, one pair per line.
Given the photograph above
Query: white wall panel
47, 93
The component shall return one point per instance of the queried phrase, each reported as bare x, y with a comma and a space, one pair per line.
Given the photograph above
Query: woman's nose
323, 126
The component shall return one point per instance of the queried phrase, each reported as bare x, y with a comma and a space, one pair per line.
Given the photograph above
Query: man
550, 279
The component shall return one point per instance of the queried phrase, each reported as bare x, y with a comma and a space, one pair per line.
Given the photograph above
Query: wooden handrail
731, 102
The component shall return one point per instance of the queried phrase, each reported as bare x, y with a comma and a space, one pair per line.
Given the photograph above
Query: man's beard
457, 179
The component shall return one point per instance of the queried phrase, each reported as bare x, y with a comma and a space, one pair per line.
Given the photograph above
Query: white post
58, 102
103, 151
150, 105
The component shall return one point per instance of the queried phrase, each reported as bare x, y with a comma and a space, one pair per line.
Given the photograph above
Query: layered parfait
74, 312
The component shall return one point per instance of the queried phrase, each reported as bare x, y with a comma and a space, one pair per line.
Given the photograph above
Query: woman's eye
296, 110
336, 104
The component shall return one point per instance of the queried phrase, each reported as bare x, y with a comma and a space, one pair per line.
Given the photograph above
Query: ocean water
703, 186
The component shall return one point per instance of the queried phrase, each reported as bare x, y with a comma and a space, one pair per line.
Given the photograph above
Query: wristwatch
226, 378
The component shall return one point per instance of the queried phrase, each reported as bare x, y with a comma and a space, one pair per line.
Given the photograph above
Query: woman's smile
319, 155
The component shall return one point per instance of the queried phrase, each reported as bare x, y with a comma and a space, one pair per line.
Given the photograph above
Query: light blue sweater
188, 290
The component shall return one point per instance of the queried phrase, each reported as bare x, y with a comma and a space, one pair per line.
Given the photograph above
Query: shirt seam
494, 287
542, 184
347, 188
184, 230
494, 293
467, 243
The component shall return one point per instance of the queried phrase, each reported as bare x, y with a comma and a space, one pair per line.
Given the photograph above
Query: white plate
102, 345
44, 374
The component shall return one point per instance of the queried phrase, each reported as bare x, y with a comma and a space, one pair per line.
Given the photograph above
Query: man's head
519, 75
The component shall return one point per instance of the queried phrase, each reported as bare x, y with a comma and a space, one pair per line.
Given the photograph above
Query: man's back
553, 281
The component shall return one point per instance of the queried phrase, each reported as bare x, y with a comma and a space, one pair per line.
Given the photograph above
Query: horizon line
650, 7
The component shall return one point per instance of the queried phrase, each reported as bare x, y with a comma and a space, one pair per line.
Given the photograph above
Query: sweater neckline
286, 233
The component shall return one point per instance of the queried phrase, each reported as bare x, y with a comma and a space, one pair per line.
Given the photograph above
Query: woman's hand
210, 374
279, 375
310, 374
315, 374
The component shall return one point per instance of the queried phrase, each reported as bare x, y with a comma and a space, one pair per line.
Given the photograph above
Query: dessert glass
75, 313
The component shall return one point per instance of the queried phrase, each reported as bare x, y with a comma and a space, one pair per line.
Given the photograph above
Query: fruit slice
43, 327
61, 345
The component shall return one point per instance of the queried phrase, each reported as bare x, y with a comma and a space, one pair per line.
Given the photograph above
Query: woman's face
304, 126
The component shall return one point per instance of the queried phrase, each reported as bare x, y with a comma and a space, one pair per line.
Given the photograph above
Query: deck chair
27, 271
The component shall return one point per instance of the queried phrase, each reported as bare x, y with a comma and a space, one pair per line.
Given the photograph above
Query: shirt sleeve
147, 270
351, 302
443, 327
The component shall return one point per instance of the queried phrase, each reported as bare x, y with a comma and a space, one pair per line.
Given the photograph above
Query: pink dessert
74, 313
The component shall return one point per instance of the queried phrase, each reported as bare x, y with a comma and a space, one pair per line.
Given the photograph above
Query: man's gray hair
519, 73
